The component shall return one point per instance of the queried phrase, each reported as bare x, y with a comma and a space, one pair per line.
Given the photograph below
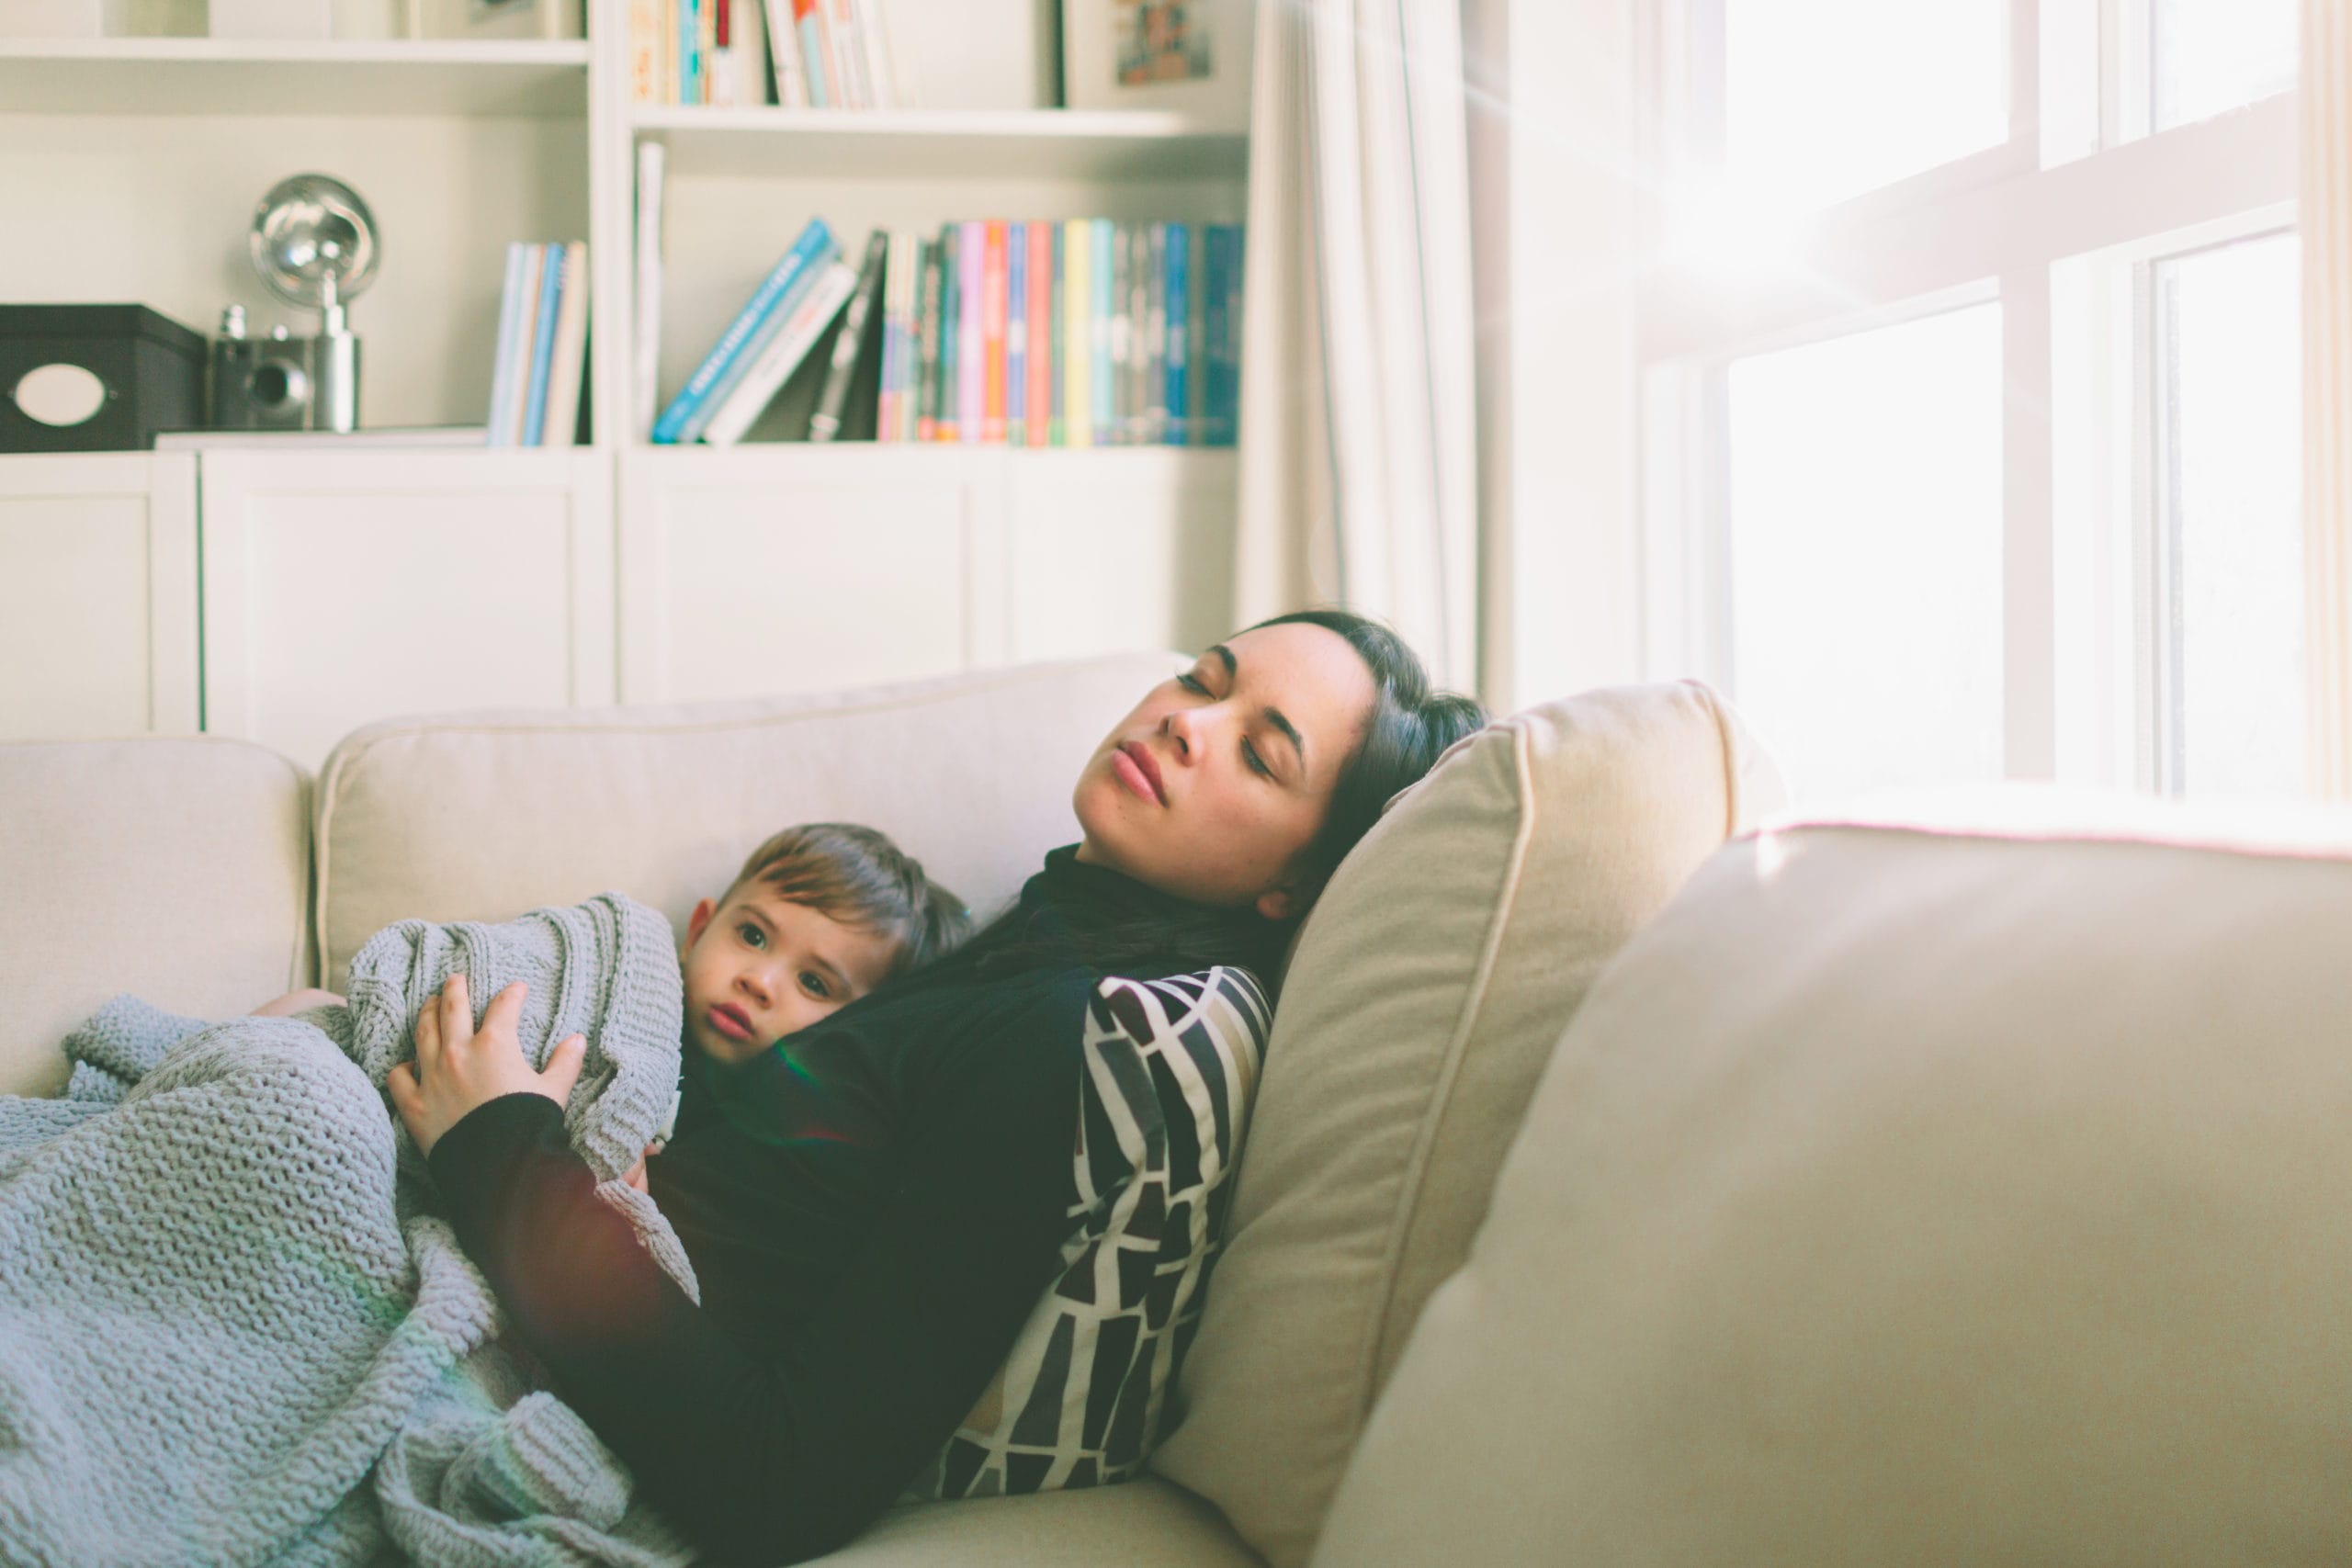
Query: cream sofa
1965, 1194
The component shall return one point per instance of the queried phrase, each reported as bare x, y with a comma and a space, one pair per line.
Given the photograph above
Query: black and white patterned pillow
1172, 1066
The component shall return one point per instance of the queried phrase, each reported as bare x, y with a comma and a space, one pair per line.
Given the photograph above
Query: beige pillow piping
1425, 1136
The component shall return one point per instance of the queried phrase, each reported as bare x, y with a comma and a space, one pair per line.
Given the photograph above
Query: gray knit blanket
233, 1328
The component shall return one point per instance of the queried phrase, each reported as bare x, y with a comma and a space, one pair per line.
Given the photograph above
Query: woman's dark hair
1409, 726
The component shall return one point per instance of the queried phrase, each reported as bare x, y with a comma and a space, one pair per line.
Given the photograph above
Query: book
1105, 285
1221, 323
929, 304
894, 278
971, 330
1153, 398
951, 330
721, 52
847, 53
645, 20
1039, 334
1110, 417
814, 246
562, 415
1178, 389
690, 51
850, 344
1078, 339
770, 325
1057, 318
881, 59
994, 299
503, 383
802, 326
784, 56
1016, 334
651, 160
807, 29
535, 400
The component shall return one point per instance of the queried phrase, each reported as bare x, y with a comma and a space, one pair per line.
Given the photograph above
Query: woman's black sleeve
780, 1452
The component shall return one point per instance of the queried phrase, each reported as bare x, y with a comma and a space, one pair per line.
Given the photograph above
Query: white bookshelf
143, 157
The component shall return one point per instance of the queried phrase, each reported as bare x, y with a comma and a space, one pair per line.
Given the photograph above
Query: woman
871, 1216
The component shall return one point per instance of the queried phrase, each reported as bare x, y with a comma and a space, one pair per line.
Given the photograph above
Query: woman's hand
459, 1067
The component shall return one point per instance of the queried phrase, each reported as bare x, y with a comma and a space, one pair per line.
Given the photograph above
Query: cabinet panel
1120, 551
342, 588
753, 573
98, 596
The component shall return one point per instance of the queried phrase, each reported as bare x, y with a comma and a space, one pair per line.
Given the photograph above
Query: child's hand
458, 1067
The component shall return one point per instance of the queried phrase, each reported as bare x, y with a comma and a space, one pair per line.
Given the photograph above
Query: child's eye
1257, 763
814, 983
752, 935
1193, 683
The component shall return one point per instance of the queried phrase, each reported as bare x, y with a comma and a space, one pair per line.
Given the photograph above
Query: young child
820, 914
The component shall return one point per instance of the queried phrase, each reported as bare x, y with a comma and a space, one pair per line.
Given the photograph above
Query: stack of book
535, 382
1082, 333
800, 53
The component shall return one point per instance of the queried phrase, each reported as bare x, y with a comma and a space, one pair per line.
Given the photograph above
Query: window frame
2063, 223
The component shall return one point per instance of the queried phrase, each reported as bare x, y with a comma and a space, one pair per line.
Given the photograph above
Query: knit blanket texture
233, 1327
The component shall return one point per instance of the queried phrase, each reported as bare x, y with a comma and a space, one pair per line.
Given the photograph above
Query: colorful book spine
814, 246
844, 25
1016, 334
689, 29
803, 325
951, 332
784, 56
1155, 385
1179, 390
893, 316
1220, 360
1056, 314
929, 303
1037, 275
712, 36
1105, 279
510, 332
849, 345
808, 26
535, 402
1078, 358
995, 328
971, 330
560, 421
644, 21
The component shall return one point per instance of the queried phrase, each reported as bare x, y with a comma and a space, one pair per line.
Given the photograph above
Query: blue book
1016, 334
1220, 299
770, 325
1057, 308
806, 257
1099, 384
535, 404
812, 60
1179, 266
689, 54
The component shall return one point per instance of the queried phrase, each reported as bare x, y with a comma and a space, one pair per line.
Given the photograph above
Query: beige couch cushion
485, 816
1912, 1198
1428, 985
174, 868
1145, 1523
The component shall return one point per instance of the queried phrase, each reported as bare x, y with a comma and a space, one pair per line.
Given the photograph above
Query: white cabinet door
1119, 549
98, 596
759, 569
342, 587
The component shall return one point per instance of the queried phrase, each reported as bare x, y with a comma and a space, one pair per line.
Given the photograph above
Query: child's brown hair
859, 877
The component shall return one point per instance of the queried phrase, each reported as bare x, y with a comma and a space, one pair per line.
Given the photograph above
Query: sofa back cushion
1911, 1197
482, 816
176, 868
1427, 986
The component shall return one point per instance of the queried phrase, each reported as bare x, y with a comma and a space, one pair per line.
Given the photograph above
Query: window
1971, 408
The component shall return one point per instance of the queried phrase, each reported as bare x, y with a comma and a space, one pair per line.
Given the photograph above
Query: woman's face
1217, 780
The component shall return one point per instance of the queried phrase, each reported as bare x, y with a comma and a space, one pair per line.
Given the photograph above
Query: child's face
760, 967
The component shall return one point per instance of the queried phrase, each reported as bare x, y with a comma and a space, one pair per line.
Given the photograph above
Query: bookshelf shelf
1059, 144
220, 76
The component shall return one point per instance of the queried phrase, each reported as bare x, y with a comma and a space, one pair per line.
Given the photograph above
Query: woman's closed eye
1193, 684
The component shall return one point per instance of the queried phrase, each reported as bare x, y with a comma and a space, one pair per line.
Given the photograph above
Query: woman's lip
1134, 777
725, 1020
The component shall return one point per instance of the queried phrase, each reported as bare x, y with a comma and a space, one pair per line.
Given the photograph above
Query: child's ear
696, 921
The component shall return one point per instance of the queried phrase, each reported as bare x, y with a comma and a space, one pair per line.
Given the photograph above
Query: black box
150, 370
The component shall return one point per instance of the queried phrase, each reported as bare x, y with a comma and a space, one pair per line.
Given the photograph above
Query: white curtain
1359, 478
2326, 223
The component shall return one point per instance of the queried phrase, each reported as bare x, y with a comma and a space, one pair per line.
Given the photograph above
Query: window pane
2211, 55
1865, 548
2232, 395
1824, 99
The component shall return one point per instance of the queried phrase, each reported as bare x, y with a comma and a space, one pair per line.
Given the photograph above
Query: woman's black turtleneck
872, 1207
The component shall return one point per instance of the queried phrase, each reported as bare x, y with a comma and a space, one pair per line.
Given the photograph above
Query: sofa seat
1147, 1523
